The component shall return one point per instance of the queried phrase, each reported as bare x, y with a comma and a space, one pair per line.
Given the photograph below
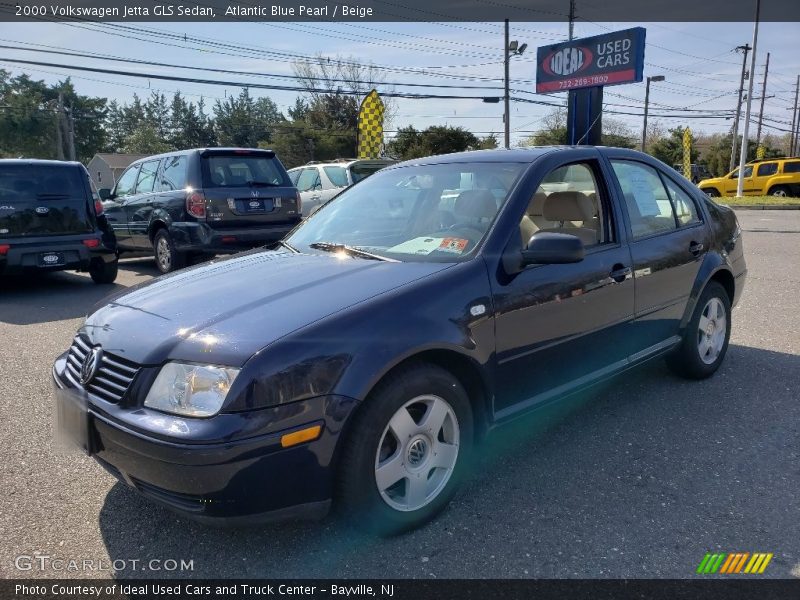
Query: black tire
688, 360
780, 190
168, 259
711, 192
103, 272
357, 487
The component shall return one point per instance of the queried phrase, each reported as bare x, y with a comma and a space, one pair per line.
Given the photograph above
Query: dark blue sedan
363, 359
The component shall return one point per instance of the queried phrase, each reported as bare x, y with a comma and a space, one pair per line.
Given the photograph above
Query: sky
698, 60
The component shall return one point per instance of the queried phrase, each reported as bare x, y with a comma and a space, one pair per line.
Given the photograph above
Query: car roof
40, 162
520, 155
199, 151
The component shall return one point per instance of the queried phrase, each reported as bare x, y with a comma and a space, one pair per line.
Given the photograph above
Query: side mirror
104, 193
550, 248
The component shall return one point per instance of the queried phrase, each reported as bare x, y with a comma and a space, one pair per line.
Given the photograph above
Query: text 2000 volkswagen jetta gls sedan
363, 359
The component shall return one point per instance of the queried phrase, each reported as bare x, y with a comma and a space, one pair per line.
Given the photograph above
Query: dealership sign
606, 59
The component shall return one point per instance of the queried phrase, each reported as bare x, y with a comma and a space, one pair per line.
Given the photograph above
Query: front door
560, 327
139, 207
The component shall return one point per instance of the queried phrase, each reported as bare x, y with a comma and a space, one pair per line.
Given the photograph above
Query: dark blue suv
186, 205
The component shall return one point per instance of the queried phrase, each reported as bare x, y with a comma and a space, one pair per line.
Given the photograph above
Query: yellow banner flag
370, 126
687, 153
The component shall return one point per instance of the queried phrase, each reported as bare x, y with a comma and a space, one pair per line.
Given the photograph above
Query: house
105, 169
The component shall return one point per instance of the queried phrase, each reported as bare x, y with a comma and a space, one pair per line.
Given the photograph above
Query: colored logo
567, 61
733, 563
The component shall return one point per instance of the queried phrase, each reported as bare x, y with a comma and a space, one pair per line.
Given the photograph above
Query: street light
646, 104
511, 48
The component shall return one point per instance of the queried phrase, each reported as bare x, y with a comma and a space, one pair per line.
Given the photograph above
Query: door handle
695, 248
620, 273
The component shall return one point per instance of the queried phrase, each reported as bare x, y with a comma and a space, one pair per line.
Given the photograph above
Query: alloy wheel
417, 453
164, 254
712, 330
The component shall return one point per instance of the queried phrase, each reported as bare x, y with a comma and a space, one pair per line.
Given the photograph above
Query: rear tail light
196, 204
91, 243
4, 249
227, 239
98, 207
299, 202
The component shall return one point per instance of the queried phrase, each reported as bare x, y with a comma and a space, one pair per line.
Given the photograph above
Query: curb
763, 206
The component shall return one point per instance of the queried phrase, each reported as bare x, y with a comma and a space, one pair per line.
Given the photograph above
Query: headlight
190, 390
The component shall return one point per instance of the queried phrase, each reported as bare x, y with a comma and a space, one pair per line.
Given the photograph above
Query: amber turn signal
298, 437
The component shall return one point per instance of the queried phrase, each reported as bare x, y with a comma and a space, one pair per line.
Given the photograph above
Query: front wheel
406, 451
711, 192
705, 340
167, 257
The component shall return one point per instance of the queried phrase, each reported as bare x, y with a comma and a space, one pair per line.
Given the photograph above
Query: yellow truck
766, 177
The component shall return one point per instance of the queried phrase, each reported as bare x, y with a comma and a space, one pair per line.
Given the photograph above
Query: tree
669, 149
410, 143
243, 121
553, 132
146, 140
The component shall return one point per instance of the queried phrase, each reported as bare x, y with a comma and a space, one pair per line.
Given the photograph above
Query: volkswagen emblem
417, 451
91, 364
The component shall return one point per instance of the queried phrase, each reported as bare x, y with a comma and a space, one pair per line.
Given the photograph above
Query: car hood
225, 311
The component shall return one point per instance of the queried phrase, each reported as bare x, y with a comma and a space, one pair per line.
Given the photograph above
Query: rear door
139, 207
43, 199
668, 243
309, 184
760, 179
246, 188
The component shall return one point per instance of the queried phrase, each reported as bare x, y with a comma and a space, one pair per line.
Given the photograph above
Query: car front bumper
199, 237
242, 479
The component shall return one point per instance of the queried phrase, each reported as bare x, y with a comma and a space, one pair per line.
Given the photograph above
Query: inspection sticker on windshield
453, 245
426, 245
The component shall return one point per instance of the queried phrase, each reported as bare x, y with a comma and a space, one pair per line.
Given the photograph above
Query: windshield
416, 213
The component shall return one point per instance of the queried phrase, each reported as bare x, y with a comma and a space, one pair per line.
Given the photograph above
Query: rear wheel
167, 257
103, 272
779, 190
705, 340
711, 192
407, 450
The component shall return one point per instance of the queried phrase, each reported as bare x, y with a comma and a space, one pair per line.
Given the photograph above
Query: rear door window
685, 208
147, 177
308, 180
245, 169
337, 175
765, 169
173, 176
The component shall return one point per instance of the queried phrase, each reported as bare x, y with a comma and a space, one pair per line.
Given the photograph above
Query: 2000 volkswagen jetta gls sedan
364, 358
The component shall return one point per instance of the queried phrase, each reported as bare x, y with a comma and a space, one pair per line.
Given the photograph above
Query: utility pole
792, 135
571, 19
59, 127
743, 151
506, 119
763, 97
647, 104
70, 133
745, 49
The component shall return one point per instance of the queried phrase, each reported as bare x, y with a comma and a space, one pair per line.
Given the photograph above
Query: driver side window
127, 182
567, 201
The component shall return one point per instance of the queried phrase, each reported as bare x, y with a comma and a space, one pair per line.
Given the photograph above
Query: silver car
319, 182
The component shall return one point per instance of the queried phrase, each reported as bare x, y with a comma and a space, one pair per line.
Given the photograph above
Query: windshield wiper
349, 250
262, 184
288, 246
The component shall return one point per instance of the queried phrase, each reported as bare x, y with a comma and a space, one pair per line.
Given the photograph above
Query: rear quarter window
792, 167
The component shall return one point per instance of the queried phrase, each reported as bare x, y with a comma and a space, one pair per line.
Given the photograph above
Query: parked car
52, 220
366, 358
767, 177
319, 182
697, 172
187, 205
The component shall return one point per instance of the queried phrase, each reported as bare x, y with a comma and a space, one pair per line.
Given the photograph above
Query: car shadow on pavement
637, 478
140, 266
46, 297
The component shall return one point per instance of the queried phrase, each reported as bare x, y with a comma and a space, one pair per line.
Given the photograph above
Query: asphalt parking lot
640, 480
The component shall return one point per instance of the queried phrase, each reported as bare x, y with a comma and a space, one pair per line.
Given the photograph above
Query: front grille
113, 377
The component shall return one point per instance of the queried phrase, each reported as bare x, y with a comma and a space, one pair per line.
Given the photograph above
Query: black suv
51, 220
190, 204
